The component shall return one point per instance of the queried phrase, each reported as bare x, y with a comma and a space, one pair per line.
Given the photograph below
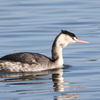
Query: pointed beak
80, 41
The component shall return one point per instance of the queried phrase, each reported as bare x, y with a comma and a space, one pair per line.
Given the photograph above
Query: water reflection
24, 79
66, 96
57, 78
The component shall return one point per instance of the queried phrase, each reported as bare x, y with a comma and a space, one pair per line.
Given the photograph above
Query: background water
31, 26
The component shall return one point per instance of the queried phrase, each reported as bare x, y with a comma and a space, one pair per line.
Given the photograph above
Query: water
31, 26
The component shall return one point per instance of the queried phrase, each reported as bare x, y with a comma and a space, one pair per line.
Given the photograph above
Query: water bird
30, 62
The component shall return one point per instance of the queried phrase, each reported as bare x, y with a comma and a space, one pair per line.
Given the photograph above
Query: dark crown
68, 33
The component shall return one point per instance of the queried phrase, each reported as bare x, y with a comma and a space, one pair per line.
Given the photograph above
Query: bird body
25, 62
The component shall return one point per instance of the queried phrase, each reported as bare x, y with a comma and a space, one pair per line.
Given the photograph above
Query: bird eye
74, 38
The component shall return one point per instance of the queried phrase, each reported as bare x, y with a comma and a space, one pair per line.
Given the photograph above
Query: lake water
31, 26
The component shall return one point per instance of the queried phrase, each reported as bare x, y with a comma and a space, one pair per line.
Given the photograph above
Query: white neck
57, 56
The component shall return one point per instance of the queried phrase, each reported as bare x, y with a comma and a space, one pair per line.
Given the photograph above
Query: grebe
30, 62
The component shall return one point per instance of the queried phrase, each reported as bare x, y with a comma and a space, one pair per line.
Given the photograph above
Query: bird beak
80, 41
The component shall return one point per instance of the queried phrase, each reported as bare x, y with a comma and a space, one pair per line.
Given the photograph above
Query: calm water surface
31, 26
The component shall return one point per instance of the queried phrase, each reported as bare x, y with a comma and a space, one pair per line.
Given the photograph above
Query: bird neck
57, 56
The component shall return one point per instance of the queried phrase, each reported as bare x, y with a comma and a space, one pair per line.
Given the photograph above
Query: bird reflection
58, 80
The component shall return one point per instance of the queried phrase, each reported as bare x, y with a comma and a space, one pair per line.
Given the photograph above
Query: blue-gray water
31, 26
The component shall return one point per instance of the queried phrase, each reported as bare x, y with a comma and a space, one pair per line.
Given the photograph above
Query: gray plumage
26, 57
